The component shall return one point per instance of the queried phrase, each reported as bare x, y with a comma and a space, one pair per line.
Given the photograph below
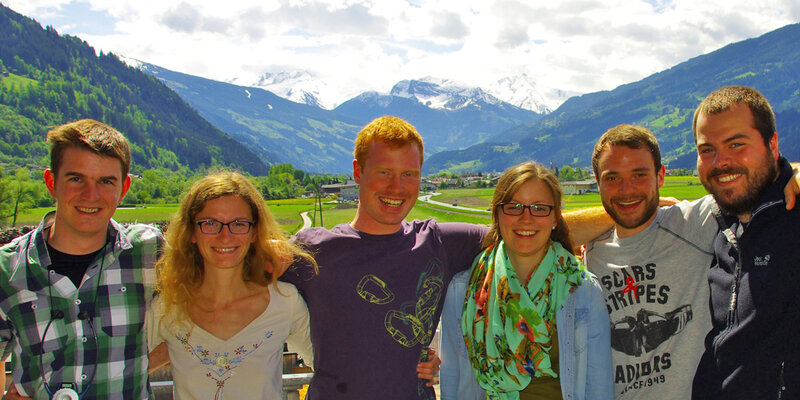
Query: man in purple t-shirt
376, 300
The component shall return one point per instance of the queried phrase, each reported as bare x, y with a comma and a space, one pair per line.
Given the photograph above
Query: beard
650, 208
757, 182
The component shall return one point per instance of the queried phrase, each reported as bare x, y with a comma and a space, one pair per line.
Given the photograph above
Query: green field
287, 212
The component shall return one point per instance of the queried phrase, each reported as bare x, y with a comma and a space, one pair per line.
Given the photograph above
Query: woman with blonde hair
527, 321
220, 310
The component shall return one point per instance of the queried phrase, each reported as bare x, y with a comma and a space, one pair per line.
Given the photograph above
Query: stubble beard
757, 182
650, 208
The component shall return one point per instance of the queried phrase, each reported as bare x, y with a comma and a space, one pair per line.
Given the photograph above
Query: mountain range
663, 102
448, 115
48, 79
305, 87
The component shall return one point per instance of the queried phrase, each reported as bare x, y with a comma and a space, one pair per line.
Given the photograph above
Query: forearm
158, 358
587, 224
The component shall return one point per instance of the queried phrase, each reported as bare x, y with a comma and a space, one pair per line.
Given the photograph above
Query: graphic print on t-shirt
643, 333
412, 323
640, 324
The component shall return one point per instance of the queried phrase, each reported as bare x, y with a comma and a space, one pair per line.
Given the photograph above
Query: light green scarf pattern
506, 325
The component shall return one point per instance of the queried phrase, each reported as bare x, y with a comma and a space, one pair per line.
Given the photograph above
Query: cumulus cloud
359, 45
183, 18
449, 25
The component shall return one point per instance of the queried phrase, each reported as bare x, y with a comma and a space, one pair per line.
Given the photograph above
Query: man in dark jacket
753, 349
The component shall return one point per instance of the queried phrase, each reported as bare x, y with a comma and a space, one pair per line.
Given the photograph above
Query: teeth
728, 178
224, 249
391, 202
628, 203
525, 233
88, 210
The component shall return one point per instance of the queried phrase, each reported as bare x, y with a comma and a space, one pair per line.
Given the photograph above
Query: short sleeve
299, 339
694, 221
153, 324
462, 241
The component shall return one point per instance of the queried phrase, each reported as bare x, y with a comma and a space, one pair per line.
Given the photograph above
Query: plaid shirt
115, 364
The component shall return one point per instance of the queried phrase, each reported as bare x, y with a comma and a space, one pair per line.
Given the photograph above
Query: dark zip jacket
753, 349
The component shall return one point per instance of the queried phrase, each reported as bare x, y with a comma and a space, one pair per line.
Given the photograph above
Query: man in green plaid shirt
73, 293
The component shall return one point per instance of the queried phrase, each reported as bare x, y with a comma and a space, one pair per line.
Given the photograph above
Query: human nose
721, 159
527, 213
394, 181
627, 186
225, 233
90, 191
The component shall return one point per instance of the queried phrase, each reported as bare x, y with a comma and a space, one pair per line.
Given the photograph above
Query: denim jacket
583, 338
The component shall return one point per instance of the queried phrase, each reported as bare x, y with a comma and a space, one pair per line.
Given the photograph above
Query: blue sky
355, 45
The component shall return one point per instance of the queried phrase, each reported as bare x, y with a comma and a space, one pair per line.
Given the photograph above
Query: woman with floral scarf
533, 319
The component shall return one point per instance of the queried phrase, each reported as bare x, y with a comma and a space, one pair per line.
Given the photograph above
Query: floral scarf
506, 325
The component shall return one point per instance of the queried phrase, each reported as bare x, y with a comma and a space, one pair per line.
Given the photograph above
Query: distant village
348, 191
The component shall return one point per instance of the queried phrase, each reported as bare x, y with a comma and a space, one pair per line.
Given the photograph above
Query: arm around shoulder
587, 224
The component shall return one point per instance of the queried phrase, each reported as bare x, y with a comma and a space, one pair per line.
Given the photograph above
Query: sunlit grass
287, 212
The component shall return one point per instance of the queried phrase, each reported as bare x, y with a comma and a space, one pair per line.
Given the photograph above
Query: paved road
306, 220
427, 198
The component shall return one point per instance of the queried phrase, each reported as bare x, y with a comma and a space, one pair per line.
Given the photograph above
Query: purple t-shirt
376, 303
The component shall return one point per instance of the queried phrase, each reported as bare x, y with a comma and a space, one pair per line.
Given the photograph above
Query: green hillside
47, 79
664, 102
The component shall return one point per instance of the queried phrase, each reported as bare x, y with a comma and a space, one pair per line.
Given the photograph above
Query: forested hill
664, 102
48, 79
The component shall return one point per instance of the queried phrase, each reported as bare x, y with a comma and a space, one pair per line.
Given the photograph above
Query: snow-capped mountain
447, 114
442, 94
302, 87
524, 92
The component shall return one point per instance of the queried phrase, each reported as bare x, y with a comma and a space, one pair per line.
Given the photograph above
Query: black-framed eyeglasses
235, 227
516, 209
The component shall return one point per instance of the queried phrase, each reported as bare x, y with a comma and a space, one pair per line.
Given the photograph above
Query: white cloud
357, 45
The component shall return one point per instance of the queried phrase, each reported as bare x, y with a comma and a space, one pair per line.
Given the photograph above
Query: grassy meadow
287, 212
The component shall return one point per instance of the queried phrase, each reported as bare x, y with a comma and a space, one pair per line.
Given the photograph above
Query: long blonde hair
180, 268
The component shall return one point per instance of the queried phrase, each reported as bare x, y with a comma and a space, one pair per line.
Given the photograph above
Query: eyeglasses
516, 209
213, 227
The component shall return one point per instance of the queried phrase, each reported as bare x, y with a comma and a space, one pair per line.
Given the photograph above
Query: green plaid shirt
117, 297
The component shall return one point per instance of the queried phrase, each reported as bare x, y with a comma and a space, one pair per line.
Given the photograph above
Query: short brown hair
724, 99
91, 135
631, 136
510, 182
393, 131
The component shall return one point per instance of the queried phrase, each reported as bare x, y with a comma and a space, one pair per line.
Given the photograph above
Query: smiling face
526, 236
224, 249
628, 184
733, 162
87, 188
388, 187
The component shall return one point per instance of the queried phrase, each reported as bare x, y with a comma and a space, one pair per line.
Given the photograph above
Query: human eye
541, 209
209, 224
240, 226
